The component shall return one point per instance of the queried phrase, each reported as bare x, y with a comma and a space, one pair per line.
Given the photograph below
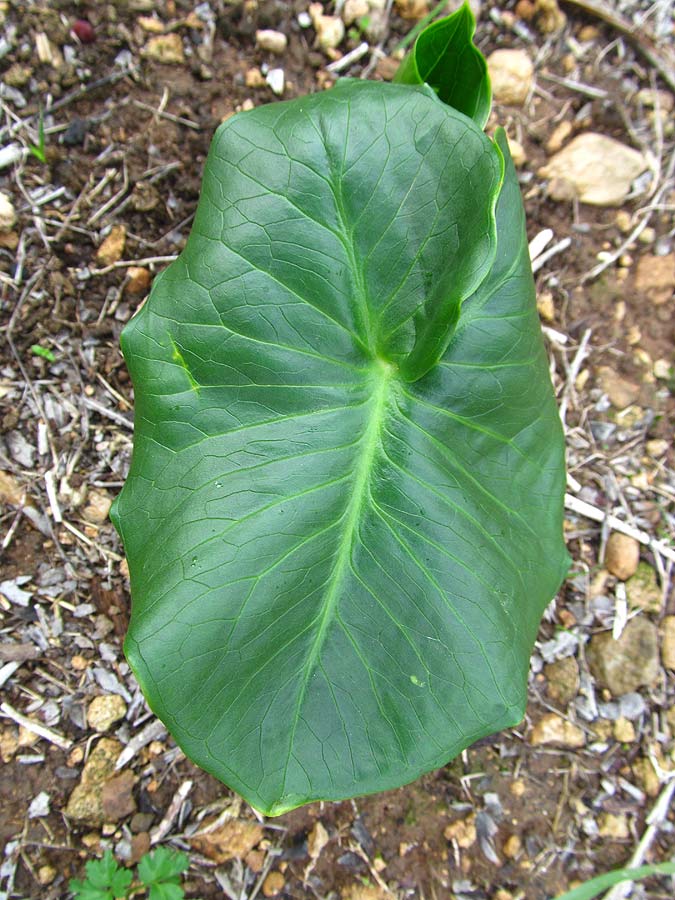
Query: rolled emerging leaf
343, 518
445, 57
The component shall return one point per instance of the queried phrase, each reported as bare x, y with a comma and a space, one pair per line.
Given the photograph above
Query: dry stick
32, 284
644, 42
179, 120
353, 56
154, 731
109, 204
573, 373
72, 212
581, 508
41, 730
126, 263
573, 85
77, 94
158, 834
108, 554
544, 257
108, 413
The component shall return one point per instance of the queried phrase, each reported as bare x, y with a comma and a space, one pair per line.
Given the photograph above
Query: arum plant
343, 518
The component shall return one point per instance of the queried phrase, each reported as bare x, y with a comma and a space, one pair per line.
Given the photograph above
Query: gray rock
629, 663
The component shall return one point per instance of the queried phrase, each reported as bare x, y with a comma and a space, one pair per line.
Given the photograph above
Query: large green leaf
343, 517
445, 57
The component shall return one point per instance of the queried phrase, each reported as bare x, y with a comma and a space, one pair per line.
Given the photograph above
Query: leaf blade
313, 533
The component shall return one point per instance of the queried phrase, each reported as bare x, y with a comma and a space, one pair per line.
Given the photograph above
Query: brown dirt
548, 798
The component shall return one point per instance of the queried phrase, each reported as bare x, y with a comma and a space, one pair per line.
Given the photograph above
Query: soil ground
512, 817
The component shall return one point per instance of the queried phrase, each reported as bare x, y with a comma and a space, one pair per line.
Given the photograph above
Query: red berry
84, 31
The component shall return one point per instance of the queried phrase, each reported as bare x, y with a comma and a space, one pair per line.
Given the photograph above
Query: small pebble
140, 845
112, 248
613, 826
273, 884
7, 213
151, 24
254, 78
550, 18
330, 30
353, 10
512, 846
624, 730
589, 33
138, 280
76, 132
518, 154
559, 135
104, 711
525, 10
165, 48
276, 79
663, 369
98, 506
553, 729
46, 875
545, 306
17, 76
84, 31
511, 74
622, 555
141, 822
657, 447
623, 221
463, 831
272, 41
668, 643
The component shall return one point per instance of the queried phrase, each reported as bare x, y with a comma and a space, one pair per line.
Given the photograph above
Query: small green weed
157, 877
596, 886
38, 150
44, 352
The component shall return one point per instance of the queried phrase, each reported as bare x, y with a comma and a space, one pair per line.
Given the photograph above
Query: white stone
272, 41
7, 213
518, 154
276, 80
553, 729
511, 73
354, 10
330, 30
39, 806
595, 169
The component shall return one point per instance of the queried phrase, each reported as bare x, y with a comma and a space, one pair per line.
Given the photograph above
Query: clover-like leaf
83, 890
165, 890
344, 513
162, 864
105, 880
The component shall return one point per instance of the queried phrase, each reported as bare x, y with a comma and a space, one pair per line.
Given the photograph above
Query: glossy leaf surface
445, 57
344, 514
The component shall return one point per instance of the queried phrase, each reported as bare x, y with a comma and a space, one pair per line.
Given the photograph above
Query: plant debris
128, 104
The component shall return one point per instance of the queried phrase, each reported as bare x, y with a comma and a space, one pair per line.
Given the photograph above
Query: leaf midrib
371, 441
